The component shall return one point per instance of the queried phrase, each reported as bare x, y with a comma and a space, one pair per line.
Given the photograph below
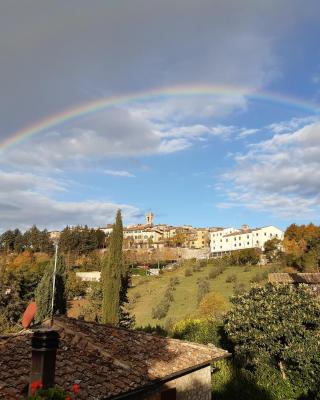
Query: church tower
149, 218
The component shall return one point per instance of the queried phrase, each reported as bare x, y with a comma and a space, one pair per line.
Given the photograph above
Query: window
265, 234
169, 394
220, 241
257, 234
226, 240
235, 245
248, 243
235, 238
247, 236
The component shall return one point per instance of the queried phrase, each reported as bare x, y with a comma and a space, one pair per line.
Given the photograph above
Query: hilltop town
191, 242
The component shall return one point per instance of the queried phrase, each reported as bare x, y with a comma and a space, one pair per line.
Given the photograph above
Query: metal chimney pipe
43, 361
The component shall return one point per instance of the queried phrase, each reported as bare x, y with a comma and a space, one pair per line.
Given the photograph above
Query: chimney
43, 362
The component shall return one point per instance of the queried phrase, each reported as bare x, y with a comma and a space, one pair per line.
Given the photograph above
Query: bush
213, 305
198, 330
168, 295
277, 327
203, 289
259, 277
188, 272
231, 278
239, 288
160, 310
213, 273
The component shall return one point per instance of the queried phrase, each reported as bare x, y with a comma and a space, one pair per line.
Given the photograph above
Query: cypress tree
112, 274
43, 293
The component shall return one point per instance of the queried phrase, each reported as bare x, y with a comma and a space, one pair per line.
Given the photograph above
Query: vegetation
274, 332
113, 273
43, 293
302, 247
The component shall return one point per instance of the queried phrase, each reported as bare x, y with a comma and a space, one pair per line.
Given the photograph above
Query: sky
211, 112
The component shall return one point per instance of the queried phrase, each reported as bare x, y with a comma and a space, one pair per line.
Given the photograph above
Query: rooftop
308, 278
105, 361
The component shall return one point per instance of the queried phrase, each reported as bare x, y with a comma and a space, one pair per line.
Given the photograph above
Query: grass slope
151, 291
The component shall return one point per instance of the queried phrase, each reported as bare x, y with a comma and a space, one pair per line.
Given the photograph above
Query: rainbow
93, 106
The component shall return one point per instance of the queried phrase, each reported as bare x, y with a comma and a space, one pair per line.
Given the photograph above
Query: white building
230, 239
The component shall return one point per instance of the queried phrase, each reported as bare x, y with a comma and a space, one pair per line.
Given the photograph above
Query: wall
193, 386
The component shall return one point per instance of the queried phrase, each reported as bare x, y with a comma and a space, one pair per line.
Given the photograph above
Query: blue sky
201, 159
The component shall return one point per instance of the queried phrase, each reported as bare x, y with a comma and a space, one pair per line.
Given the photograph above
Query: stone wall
193, 386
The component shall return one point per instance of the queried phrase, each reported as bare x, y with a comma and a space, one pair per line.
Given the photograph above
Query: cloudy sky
205, 157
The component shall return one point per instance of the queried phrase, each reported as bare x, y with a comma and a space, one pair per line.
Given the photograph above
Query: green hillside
149, 291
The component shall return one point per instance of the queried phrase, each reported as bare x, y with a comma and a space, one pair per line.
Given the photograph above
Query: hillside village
211, 241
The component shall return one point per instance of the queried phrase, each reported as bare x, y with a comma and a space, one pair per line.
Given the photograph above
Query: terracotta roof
308, 278
105, 361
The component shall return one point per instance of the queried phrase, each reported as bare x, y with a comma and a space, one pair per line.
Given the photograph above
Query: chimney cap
45, 339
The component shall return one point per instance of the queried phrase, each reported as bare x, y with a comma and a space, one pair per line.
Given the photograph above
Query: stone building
112, 363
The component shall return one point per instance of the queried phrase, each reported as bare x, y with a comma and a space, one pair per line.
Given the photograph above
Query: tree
213, 305
278, 327
43, 293
272, 249
112, 274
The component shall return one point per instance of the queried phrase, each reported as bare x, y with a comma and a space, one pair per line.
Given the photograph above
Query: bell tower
149, 218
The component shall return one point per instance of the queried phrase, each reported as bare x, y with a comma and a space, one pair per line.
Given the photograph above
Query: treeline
32, 239
82, 240
302, 247
78, 240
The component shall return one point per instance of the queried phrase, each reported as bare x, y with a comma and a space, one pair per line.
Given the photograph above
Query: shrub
213, 273
231, 278
203, 289
239, 288
188, 272
198, 330
168, 295
278, 327
259, 277
213, 305
160, 310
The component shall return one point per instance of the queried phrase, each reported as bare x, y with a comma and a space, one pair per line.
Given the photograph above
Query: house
111, 363
226, 240
310, 279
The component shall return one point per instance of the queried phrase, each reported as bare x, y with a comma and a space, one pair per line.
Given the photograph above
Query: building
293, 278
110, 363
224, 241
198, 238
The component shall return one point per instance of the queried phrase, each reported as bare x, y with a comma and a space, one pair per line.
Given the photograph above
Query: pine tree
112, 274
43, 293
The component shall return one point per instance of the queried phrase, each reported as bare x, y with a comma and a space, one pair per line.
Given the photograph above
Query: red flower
35, 386
75, 388
68, 398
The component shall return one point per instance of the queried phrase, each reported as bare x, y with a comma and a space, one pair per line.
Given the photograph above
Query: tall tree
112, 274
43, 293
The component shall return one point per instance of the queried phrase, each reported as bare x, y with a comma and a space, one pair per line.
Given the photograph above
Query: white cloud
25, 199
280, 175
120, 173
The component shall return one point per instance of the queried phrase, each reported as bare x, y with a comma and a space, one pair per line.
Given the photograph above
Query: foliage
203, 289
160, 310
188, 272
205, 330
302, 247
278, 327
231, 278
92, 309
43, 293
75, 287
272, 249
245, 256
260, 276
213, 305
115, 279
81, 239
33, 239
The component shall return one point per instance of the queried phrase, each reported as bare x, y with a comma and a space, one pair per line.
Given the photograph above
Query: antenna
54, 280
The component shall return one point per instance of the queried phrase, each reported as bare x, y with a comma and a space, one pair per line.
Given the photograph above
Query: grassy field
149, 291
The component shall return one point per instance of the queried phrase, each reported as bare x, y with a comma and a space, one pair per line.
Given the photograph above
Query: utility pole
54, 280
